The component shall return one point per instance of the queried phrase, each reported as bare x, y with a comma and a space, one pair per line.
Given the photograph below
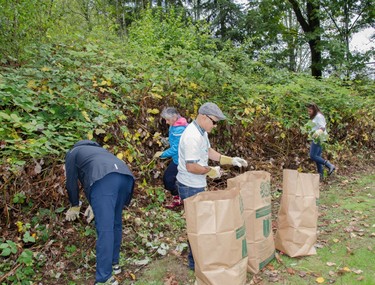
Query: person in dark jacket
108, 185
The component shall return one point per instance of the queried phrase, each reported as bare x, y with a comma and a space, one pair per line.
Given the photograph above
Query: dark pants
316, 156
169, 178
186, 192
108, 197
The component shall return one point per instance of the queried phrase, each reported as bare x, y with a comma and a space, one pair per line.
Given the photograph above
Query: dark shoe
176, 202
116, 269
331, 169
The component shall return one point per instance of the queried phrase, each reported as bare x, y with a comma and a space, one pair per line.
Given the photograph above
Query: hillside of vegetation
113, 91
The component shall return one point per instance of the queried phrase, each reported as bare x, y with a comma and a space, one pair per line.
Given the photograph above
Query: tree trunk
311, 28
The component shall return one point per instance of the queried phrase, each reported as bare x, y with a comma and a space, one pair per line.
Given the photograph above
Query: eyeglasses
212, 120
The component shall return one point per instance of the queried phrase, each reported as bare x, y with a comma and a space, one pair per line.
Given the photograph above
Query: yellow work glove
72, 213
236, 161
317, 133
89, 214
214, 172
158, 154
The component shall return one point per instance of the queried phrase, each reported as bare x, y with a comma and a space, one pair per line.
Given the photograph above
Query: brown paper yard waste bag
298, 214
256, 197
216, 233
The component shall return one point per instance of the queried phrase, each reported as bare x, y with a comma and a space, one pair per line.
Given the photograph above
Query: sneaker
116, 269
176, 202
110, 281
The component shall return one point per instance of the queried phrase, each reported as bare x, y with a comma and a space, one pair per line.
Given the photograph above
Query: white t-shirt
320, 123
193, 148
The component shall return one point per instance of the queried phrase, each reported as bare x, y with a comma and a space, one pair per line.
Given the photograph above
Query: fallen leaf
278, 258
348, 250
360, 278
331, 263
132, 276
358, 271
319, 280
353, 235
290, 271
331, 273
343, 270
335, 240
302, 274
256, 280
171, 280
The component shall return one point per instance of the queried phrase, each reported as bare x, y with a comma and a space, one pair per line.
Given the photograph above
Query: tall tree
310, 23
225, 18
274, 35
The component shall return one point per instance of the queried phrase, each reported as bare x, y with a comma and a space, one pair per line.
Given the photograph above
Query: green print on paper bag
266, 227
265, 189
262, 212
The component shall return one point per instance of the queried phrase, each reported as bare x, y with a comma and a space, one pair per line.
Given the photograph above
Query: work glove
72, 213
89, 214
214, 172
158, 154
236, 161
317, 133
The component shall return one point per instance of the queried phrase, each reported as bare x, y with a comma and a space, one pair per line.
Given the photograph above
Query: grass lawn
345, 246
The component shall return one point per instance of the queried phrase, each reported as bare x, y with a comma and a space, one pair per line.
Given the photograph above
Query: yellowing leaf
86, 116
90, 135
19, 225
132, 275
129, 156
282, 135
346, 269
45, 68
31, 84
335, 240
99, 131
120, 155
122, 117
319, 280
153, 111
193, 85
156, 96
249, 110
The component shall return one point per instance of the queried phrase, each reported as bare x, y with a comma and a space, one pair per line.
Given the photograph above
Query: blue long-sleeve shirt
88, 162
175, 133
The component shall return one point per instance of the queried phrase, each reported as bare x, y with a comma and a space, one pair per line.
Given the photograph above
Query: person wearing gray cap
193, 154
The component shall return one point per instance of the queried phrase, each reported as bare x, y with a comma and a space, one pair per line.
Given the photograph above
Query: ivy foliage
108, 90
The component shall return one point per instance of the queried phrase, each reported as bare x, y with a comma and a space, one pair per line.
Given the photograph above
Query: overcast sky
362, 40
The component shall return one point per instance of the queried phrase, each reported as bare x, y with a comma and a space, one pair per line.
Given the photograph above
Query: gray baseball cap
212, 109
